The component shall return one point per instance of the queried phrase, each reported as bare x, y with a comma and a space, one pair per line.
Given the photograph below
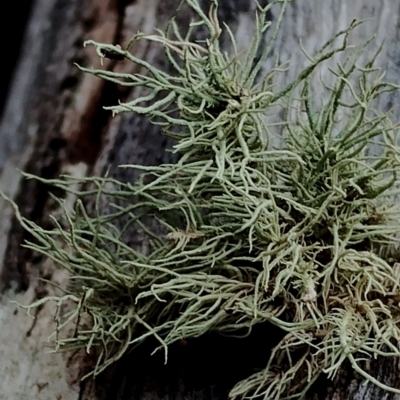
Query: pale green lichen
303, 236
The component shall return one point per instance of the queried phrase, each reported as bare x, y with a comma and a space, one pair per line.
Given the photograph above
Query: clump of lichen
303, 236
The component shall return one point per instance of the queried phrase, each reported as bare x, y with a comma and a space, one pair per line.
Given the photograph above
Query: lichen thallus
237, 231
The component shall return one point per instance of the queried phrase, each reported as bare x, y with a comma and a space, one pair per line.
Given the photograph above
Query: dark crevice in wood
121, 6
13, 31
86, 144
200, 369
81, 390
34, 320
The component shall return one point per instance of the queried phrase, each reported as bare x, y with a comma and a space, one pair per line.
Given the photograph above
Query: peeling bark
54, 122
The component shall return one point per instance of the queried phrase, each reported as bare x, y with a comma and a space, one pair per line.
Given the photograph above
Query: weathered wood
54, 123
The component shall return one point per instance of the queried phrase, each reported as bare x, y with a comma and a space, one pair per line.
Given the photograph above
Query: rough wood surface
54, 123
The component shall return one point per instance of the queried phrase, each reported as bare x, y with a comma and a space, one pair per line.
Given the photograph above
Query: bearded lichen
303, 235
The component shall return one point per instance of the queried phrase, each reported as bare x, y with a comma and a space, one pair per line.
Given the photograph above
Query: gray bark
54, 123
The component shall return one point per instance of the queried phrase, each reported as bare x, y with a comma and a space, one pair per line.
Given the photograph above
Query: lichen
239, 231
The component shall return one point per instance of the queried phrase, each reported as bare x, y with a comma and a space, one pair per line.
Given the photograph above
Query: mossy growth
239, 231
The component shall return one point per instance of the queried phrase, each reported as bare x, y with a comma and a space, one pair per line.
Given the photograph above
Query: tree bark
54, 123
